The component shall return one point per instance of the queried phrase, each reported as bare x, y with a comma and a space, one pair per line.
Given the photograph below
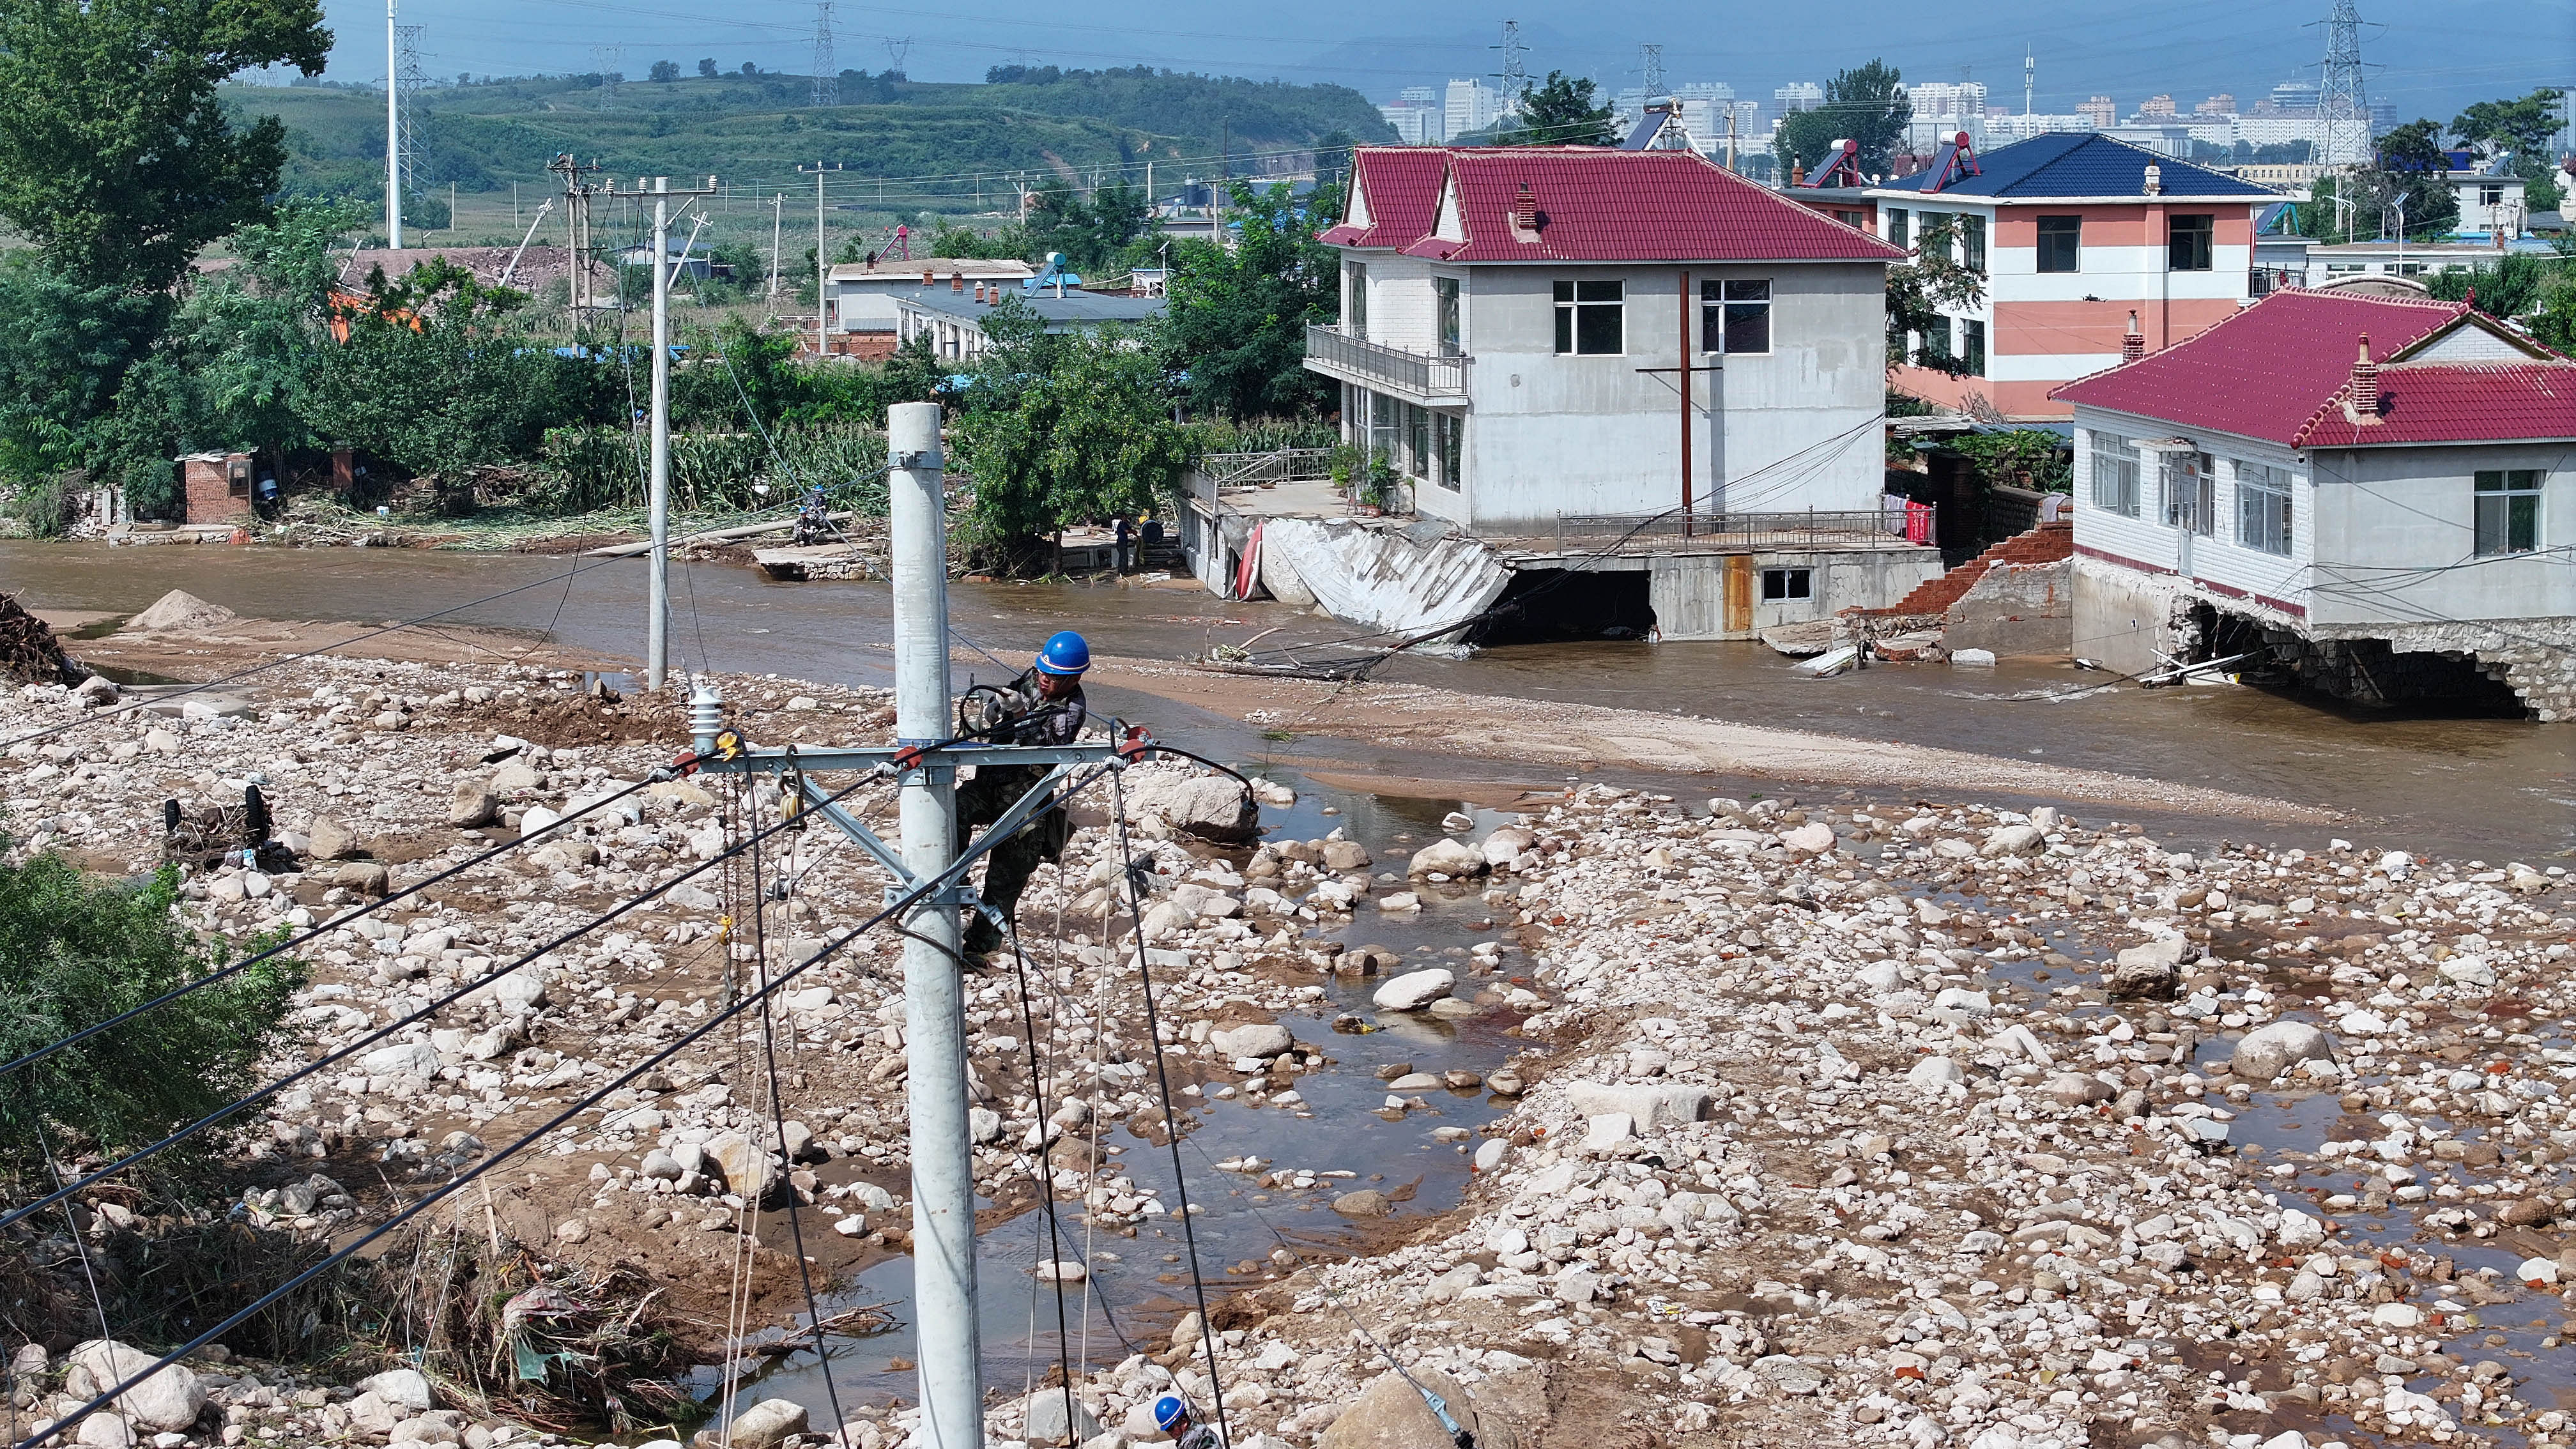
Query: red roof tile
2265, 371
1401, 186
2454, 402
1599, 206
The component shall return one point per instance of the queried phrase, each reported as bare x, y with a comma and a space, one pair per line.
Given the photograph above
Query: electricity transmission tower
607, 59
1650, 60
2343, 108
412, 81
1515, 71
827, 72
897, 52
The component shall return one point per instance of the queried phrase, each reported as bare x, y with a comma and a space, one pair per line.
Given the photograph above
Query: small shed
216, 487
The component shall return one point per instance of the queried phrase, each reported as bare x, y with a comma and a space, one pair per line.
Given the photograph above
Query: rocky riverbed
1846, 1119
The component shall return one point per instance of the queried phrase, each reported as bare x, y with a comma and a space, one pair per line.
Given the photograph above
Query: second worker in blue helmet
1044, 706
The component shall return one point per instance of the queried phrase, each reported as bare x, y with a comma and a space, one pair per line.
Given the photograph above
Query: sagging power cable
220, 1114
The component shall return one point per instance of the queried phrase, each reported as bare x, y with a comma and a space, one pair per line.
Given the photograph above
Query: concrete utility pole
393, 126
822, 266
777, 233
950, 1350
657, 624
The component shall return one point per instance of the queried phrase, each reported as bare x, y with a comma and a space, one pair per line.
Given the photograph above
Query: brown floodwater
2477, 787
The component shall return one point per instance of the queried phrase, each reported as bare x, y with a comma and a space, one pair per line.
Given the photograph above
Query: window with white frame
2263, 508
2508, 510
1735, 317
1444, 293
2191, 503
1591, 318
2115, 474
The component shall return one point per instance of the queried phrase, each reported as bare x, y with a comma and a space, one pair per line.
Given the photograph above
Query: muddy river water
2480, 788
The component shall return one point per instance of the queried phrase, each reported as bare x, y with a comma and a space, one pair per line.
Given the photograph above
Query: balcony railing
1731, 532
1282, 465
1374, 364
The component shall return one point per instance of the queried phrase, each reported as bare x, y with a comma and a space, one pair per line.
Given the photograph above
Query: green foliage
2553, 321
589, 469
1868, 105
71, 345
1235, 320
441, 375
1561, 111
1921, 293
951, 240
75, 952
2508, 287
2022, 458
665, 70
1094, 232
1059, 429
2523, 127
2409, 170
118, 161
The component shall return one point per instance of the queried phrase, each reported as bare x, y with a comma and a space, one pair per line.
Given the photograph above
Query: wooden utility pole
1682, 377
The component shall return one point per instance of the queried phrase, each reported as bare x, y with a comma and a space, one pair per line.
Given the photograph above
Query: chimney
2155, 179
926, 279
2132, 345
1525, 214
1797, 173
979, 293
956, 281
2363, 406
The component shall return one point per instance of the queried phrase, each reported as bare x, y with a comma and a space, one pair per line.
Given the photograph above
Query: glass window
1355, 312
2190, 500
1735, 317
1591, 318
1444, 291
2061, 243
1896, 226
1972, 243
1779, 584
1972, 345
2188, 242
1417, 441
2263, 508
2508, 510
2115, 475
1935, 341
1449, 434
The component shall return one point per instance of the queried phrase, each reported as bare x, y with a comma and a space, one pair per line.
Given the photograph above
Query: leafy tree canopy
1867, 104
1922, 294
1560, 111
1235, 320
117, 160
74, 952
2522, 127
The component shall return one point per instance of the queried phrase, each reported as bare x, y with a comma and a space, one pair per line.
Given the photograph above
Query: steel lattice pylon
827, 71
2343, 107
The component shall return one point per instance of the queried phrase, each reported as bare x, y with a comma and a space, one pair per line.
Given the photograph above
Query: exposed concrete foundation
2124, 619
2534, 660
2012, 609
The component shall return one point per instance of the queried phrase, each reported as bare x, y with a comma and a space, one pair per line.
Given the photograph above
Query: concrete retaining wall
2123, 619
2017, 609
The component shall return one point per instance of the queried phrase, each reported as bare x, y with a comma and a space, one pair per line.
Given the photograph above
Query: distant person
1153, 532
1123, 534
1046, 708
1172, 1416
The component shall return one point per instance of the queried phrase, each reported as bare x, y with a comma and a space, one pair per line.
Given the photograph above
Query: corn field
602, 468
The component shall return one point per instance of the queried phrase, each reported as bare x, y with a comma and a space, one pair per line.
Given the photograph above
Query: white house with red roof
2375, 493
1531, 334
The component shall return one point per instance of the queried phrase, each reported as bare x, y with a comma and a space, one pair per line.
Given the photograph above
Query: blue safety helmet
1066, 653
1170, 1413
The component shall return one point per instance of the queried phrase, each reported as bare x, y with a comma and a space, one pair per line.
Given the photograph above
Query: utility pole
943, 1177
822, 266
657, 640
393, 125
577, 195
777, 233
2029, 77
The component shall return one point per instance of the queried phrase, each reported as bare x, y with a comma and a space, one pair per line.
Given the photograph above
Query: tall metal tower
607, 59
2029, 77
412, 81
1650, 60
897, 52
2343, 109
1515, 71
827, 71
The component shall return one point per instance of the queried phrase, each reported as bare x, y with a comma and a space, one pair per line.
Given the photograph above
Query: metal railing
1377, 364
1284, 465
1576, 534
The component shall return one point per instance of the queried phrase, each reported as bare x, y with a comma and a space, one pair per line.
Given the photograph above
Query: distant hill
933, 140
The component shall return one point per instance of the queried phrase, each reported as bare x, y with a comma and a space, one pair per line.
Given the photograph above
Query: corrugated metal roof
2083, 164
1597, 205
1070, 309
2281, 369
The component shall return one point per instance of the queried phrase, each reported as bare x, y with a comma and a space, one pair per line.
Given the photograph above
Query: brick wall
210, 487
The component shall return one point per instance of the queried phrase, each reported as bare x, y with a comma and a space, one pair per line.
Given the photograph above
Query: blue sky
2427, 56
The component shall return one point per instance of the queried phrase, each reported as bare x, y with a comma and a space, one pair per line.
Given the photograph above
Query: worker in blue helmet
1044, 706
1172, 1416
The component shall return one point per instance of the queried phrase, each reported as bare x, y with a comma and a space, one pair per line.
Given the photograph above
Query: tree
1235, 320
2509, 287
1867, 105
666, 70
2521, 129
1058, 429
2410, 173
748, 68
707, 68
118, 160
1560, 112
74, 953
1922, 294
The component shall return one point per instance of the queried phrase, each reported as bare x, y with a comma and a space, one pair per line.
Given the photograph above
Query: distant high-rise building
2101, 110
2295, 97
1415, 125
1471, 105
1418, 96
1799, 96
2221, 104
2157, 108
1948, 101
